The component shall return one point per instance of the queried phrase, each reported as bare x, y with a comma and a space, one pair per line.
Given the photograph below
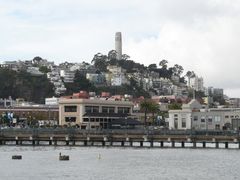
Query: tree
154, 108
112, 57
79, 83
189, 75
24, 85
44, 69
100, 62
163, 63
37, 60
174, 106
178, 70
148, 106
152, 66
125, 57
112, 54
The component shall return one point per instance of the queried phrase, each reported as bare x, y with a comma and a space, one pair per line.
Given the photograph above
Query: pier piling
226, 145
194, 144
151, 143
183, 144
130, 143
161, 144
67, 142
204, 144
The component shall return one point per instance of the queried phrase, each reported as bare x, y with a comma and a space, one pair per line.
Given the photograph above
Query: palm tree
148, 106
145, 106
154, 108
189, 75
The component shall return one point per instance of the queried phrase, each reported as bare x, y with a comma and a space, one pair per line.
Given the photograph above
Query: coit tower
118, 45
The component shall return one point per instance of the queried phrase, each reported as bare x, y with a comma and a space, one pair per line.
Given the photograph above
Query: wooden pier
119, 138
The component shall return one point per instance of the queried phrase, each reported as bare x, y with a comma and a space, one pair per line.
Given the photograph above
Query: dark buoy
17, 157
63, 157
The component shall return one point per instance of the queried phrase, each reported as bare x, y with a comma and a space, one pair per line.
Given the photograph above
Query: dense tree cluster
24, 85
101, 62
79, 83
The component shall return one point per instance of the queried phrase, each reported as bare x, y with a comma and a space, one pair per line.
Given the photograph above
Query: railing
75, 131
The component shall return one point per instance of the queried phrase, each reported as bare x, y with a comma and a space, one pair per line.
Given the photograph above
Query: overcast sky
200, 35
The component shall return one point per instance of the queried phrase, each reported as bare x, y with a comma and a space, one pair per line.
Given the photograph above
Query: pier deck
123, 138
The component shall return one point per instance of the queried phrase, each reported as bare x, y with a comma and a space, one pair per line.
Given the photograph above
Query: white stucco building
192, 115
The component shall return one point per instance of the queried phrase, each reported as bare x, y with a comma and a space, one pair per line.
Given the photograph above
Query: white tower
118, 45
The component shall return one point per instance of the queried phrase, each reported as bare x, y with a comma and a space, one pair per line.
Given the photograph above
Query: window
202, 119
217, 126
195, 118
123, 110
111, 109
70, 119
175, 124
106, 109
70, 108
175, 115
210, 119
95, 109
183, 122
85, 120
217, 118
91, 109
88, 109
226, 117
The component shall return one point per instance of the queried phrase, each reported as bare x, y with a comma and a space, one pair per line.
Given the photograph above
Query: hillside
24, 85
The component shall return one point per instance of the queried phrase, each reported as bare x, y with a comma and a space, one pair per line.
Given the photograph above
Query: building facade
92, 113
193, 116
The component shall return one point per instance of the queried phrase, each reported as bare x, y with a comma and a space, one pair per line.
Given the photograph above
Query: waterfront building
192, 115
32, 114
94, 112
